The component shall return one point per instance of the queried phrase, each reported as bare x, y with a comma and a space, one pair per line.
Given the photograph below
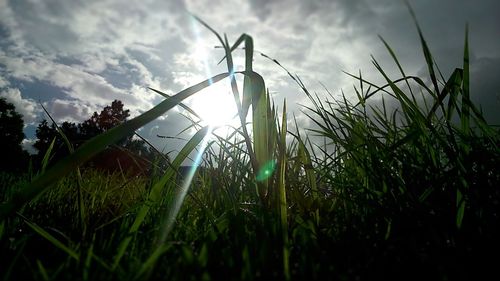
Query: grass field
411, 193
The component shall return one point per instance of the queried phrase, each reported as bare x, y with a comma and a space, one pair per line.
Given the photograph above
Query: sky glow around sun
215, 105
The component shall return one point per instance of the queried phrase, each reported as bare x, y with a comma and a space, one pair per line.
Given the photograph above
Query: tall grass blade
260, 126
465, 118
247, 88
427, 52
42, 270
305, 159
60, 245
465, 122
167, 96
179, 196
88, 260
156, 191
71, 149
46, 157
282, 193
395, 58
247, 97
460, 208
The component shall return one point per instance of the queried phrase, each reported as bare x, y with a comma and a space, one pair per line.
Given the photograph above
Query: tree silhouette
14, 158
45, 134
109, 117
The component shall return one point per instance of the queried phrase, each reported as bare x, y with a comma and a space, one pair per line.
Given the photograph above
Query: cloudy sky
77, 56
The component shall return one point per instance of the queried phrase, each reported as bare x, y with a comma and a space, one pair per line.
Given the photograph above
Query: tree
11, 131
109, 117
77, 134
45, 134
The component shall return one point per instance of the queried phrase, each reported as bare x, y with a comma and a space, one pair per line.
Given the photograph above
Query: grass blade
465, 86
156, 191
427, 52
166, 96
46, 156
282, 194
51, 238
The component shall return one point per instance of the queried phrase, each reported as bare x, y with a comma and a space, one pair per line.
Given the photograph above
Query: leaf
427, 52
187, 108
46, 156
282, 204
247, 82
460, 208
42, 270
465, 87
51, 238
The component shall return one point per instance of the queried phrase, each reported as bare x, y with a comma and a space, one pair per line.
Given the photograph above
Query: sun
215, 105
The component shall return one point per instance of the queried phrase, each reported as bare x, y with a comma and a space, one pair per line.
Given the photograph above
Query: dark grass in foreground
407, 194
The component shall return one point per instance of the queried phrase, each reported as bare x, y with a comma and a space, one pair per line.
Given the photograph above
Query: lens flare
266, 171
179, 199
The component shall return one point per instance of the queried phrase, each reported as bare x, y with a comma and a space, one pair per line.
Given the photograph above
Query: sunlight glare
215, 105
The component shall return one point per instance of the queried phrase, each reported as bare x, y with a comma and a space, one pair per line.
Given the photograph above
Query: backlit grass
407, 193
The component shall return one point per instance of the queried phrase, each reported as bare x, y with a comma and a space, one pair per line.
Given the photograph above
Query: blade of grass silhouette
465, 86
229, 59
203, 137
180, 104
427, 52
97, 144
81, 207
395, 59
50, 238
234, 88
305, 159
247, 83
282, 204
465, 122
260, 126
46, 156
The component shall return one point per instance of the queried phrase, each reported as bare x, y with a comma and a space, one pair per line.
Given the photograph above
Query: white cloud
90, 89
25, 106
3, 82
27, 145
69, 45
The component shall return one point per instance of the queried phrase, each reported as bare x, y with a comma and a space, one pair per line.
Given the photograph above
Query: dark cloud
485, 90
261, 8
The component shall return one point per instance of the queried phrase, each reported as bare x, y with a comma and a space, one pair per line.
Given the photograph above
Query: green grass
411, 193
